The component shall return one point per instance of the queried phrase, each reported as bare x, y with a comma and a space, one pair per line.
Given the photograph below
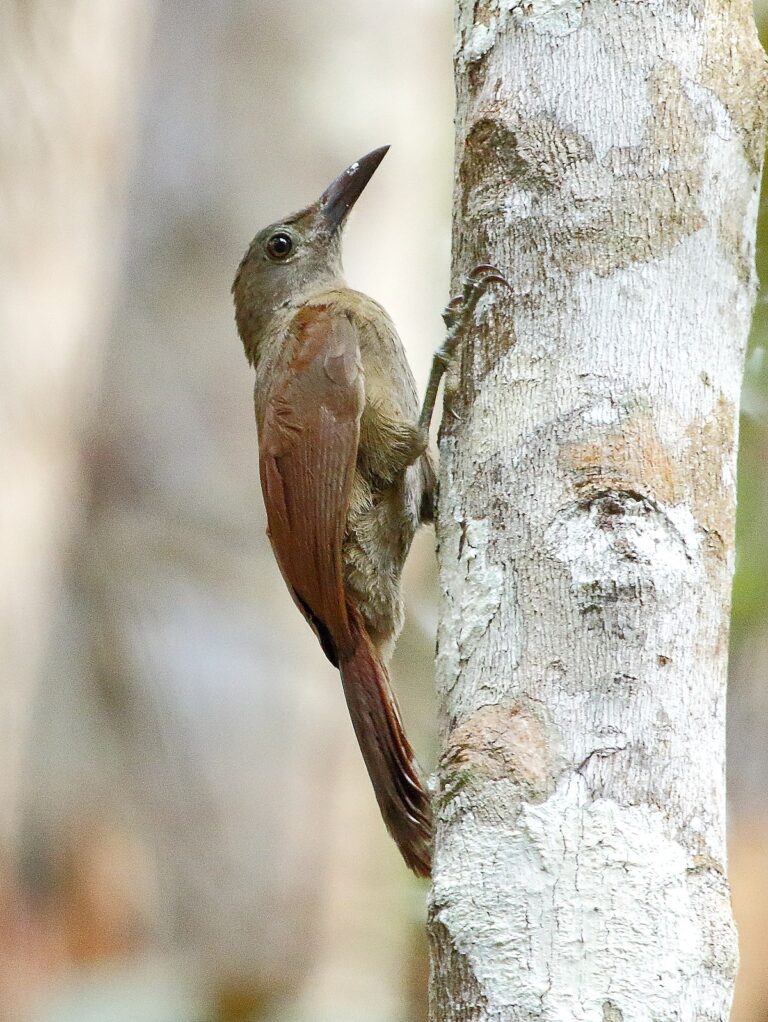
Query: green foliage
750, 594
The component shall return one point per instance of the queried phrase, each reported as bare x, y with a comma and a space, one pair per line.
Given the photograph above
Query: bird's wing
308, 449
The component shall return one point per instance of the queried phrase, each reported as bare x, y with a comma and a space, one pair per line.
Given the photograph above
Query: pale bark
608, 157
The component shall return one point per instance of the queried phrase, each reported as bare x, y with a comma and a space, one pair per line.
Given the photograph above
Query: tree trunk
608, 158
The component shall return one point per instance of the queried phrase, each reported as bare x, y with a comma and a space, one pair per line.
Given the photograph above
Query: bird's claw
461, 307
485, 273
452, 309
456, 315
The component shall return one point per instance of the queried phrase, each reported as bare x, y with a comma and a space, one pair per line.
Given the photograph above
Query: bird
346, 472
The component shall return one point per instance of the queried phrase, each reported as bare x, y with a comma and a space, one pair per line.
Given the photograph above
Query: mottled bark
608, 158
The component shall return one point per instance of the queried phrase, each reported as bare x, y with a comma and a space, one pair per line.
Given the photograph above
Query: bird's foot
459, 310
457, 316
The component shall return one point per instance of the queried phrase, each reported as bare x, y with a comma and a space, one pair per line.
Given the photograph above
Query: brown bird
344, 466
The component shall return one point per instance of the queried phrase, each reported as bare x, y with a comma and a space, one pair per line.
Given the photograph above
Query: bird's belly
380, 528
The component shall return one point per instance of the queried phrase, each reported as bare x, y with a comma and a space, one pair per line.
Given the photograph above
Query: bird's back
389, 380
386, 504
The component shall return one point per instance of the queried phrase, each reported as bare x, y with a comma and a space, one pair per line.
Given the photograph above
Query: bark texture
608, 158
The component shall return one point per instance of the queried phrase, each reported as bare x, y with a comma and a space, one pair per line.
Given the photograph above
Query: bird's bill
342, 193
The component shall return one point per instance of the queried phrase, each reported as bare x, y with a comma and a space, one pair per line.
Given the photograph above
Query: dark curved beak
341, 195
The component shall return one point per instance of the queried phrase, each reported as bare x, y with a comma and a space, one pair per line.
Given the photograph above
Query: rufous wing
308, 444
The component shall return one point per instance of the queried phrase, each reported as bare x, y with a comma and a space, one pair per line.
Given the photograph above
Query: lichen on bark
607, 161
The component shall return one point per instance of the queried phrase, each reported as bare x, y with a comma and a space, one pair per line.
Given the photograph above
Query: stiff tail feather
388, 756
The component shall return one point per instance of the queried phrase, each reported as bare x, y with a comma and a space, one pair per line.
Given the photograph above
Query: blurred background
186, 830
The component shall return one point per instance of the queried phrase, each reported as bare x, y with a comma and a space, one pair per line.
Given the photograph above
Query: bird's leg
457, 316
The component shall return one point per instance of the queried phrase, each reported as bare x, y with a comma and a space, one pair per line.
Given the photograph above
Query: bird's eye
280, 245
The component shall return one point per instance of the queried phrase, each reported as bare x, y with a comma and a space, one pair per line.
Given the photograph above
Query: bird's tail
388, 755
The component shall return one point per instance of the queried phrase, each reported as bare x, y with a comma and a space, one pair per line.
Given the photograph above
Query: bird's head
296, 256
